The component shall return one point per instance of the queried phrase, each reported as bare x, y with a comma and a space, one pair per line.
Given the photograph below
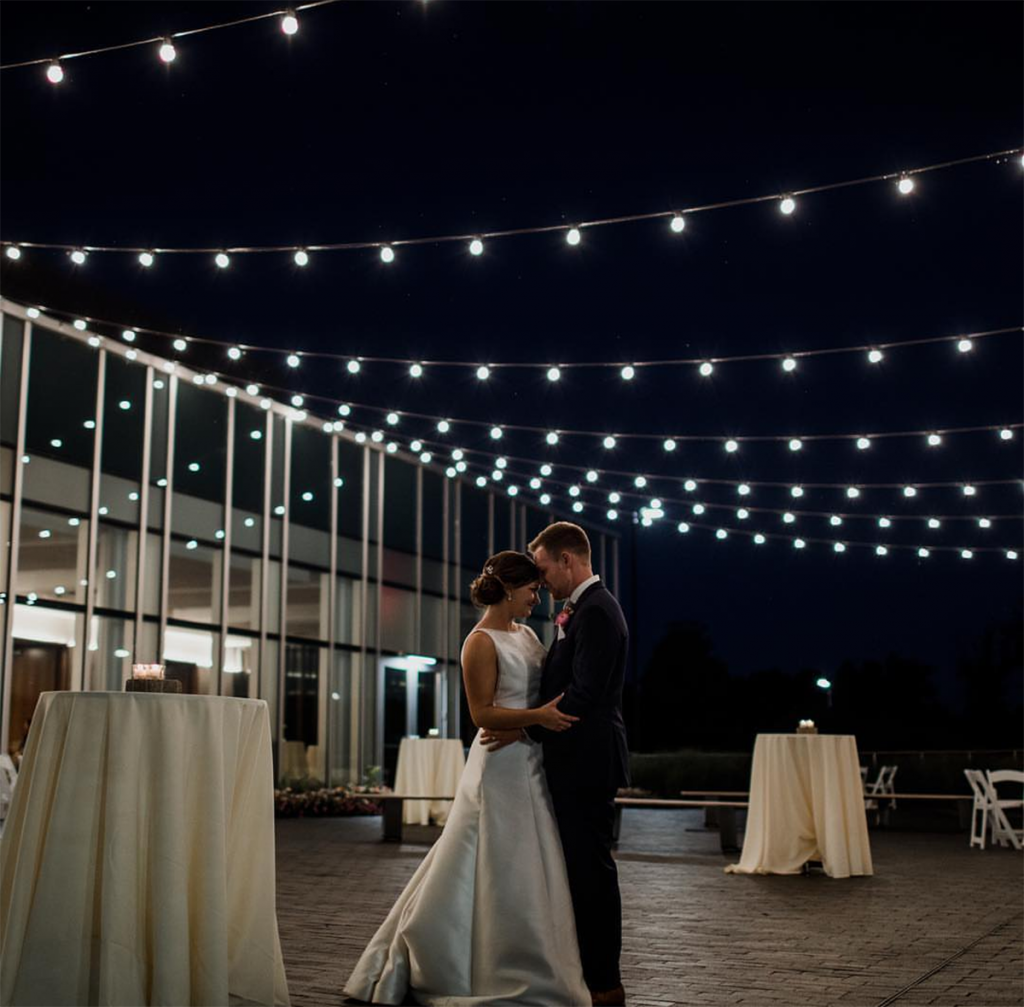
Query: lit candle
148, 671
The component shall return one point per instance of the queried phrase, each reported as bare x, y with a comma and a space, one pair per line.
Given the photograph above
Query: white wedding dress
487, 917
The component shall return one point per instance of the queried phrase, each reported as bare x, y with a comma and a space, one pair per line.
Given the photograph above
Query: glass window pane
194, 583
189, 657
109, 661
398, 620
200, 454
350, 496
52, 556
301, 753
399, 506
248, 479
240, 666
343, 720
123, 431
244, 592
433, 508
474, 528
307, 602
348, 620
116, 563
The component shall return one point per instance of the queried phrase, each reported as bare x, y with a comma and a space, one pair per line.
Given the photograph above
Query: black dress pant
585, 822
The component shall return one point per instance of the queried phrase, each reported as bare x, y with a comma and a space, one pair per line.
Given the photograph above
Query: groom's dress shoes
608, 998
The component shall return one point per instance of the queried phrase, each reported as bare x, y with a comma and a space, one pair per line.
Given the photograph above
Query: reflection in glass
44, 649
109, 661
116, 552
343, 720
200, 457
240, 667
124, 402
244, 592
52, 556
307, 602
194, 584
189, 657
301, 754
398, 620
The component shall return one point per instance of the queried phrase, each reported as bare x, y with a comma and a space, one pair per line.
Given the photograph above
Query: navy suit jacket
589, 666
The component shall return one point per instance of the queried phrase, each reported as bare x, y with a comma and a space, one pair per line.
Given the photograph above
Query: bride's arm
480, 674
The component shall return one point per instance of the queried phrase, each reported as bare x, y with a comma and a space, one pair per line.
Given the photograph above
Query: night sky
381, 121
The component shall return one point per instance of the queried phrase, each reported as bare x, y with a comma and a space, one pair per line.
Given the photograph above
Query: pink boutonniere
563, 617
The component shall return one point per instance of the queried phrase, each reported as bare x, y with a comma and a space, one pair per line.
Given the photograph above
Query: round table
432, 767
137, 862
806, 803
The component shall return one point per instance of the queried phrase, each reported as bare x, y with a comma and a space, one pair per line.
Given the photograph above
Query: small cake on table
150, 678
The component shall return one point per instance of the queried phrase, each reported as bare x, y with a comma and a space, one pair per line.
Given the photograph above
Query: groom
586, 765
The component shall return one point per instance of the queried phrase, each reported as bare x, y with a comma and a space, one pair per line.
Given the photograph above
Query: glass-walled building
151, 514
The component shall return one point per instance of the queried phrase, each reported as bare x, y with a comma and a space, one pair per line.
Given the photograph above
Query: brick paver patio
937, 924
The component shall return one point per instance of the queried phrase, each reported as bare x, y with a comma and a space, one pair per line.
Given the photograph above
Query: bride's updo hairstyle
502, 573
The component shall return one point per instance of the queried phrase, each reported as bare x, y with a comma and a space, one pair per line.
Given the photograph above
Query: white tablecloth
137, 863
432, 767
806, 803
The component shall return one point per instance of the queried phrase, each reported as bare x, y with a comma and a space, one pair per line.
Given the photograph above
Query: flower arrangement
321, 802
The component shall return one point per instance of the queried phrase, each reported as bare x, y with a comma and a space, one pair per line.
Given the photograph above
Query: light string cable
572, 231
64, 57
417, 366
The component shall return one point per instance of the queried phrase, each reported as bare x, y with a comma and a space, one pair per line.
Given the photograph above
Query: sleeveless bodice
520, 662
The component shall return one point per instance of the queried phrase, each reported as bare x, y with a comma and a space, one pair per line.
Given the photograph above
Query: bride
487, 917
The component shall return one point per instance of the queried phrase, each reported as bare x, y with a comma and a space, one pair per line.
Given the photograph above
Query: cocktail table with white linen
137, 863
431, 767
806, 803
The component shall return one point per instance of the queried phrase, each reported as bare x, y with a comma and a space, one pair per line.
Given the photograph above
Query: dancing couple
518, 901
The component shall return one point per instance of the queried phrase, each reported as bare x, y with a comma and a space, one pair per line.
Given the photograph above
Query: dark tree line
686, 698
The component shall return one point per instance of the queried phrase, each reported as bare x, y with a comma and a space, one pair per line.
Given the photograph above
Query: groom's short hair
563, 536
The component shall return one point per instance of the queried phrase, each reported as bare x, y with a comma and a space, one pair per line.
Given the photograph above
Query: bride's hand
552, 718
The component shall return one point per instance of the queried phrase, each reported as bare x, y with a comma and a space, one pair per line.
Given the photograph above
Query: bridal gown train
487, 918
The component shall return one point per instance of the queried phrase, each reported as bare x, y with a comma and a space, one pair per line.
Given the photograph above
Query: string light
554, 374
669, 445
628, 372
13, 252
863, 443
301, 257
573, 236
934, 440
80, 324
353, 367
292, 360
483, 372
180, 345
796, 444
497, 433
608, 443
55, 72
387, 254
476, 247
289, 23
707, 369
965, 345
222, 260
167, 51
1006, 434
789, 364
415, 370
731, 446
875, 356
146, 259
551, 437
788, 205
905, 185
443, 426
678, 223
78, 257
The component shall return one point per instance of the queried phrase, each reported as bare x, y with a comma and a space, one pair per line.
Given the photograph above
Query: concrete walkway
937, 924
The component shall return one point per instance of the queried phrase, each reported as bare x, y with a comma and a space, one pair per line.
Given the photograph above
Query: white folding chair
881, 787
980, 810
8, 778
1003, 832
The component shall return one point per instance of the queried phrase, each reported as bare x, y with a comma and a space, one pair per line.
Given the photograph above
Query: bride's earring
508, 597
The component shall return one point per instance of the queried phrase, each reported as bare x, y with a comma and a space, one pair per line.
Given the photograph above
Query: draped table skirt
137, 862
806, 803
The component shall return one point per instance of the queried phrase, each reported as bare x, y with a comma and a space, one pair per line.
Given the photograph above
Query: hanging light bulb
545, 470
497, 433
966, 554
678, 223
796, 444
965, 346
415, 370
377, 436
426, 458
222, 260
788, 205
545, 498
12, 252
934, 440
289, 23
743, 489
235, 353
1011, 554
759, 539
909, 491
476, 247
416, 447
934, 523
796, 491
852, 492
513, 491
481, 481
628, 373
682, 527
574, 491
706, 369
483, 372
128, 335
614, 498
640, 482
301, 257
387, 254
984, 522
789, 517
789, 364
669, 444
969, 490
55, 72
554, 374
78, 257
835, 520
880, 550
612, 515
1006, 434
292, 360
577, 507
839, 547
698, 509
592, 476
344, 410
573, 236
353, 367
732, 446
923, 553
743, 513
905, 185
721, 534
535, 483
799, 543
80, 324
167, 51
608, 443
458, 454
884, 522
146, 259
690, 485
863, 443
875, 356
392, 419
443, 426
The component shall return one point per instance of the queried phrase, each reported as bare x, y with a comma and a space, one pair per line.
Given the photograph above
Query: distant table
137, 862
428, 766
806, 803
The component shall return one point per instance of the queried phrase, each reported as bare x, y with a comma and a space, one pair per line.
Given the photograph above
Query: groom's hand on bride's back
494, 740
